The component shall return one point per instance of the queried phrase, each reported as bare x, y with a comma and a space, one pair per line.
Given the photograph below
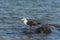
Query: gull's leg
30, 29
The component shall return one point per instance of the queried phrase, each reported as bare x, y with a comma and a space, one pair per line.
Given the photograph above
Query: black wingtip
39, 23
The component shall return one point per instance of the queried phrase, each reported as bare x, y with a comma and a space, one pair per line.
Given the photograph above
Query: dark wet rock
43, 30
56, 26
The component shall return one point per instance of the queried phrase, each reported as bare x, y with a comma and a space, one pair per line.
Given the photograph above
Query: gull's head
23, 19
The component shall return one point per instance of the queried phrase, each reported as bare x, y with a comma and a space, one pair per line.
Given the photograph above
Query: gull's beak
23, 19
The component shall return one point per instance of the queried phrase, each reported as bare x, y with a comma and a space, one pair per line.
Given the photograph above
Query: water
11, 12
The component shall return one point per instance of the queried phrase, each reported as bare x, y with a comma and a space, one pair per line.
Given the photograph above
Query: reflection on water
11, 12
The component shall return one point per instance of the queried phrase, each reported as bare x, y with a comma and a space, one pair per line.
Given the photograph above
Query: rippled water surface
11, 12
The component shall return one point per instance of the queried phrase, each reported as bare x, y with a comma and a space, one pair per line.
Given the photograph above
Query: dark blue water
11, 12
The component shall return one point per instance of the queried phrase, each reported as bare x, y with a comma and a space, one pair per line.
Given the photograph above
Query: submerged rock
55, 25
27, 32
